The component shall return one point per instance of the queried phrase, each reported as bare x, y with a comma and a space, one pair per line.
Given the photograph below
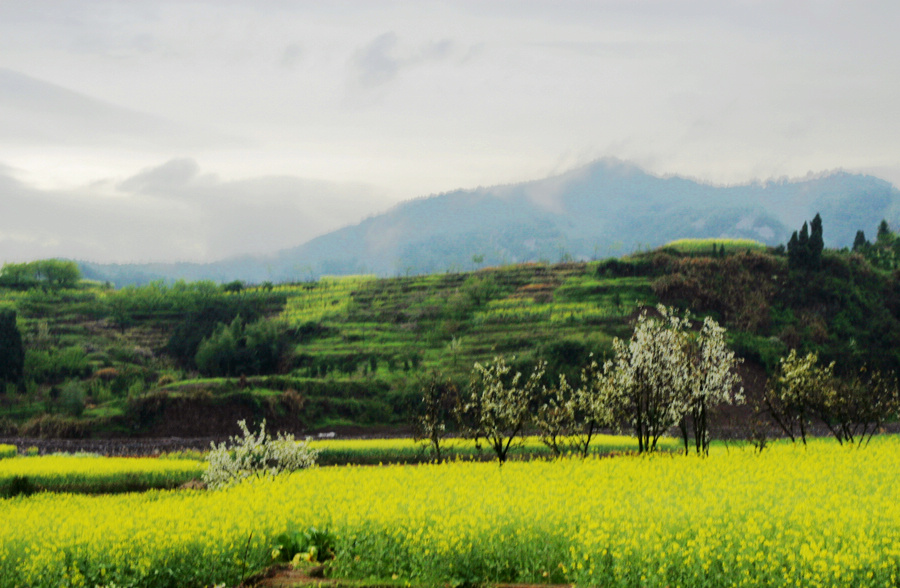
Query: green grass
705, 245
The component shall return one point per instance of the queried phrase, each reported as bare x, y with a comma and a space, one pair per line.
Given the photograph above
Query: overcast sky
159, 130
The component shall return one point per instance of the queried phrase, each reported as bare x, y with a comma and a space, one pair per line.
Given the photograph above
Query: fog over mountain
608, 208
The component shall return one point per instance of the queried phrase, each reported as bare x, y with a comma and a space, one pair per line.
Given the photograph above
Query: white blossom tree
499, 404
665, 374
714, 381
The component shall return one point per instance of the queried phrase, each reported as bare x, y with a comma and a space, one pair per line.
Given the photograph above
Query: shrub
255, 456
72, 399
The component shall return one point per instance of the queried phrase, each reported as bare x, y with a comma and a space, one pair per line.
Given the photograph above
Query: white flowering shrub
255, 456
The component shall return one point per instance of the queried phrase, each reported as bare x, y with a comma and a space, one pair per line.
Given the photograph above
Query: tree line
669, 375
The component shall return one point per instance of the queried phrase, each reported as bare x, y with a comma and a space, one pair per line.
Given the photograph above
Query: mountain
605, 209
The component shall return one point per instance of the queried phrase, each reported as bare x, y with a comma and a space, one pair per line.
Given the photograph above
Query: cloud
174, 212
380, 61
166, 178
33, 111
291, 56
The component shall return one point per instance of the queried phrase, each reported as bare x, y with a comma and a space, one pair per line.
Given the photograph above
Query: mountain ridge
607, 208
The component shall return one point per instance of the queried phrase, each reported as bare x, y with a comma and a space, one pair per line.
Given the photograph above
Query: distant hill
605, 209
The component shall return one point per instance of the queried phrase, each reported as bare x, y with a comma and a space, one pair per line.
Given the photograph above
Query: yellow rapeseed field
822, 516
66, 472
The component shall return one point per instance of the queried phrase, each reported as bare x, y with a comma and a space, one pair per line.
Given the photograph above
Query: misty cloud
33, 111
380, 60
173, 212
167, 178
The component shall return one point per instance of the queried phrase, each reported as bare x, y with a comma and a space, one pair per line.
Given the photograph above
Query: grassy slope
361, 346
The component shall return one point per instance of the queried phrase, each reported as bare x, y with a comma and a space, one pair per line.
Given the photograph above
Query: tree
793, 251
51, 273
853, 408
860, 243
805, 248
794, 392
647, 382
12, 351
884, 235
499, 404
714, 381
570, 417
440, 398
816, 243
238, 349
557, 418
665, 375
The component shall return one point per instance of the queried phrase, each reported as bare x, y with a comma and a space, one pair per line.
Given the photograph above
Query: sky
159, 130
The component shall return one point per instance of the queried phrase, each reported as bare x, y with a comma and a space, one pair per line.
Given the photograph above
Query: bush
238, 349
72, 399
256, 456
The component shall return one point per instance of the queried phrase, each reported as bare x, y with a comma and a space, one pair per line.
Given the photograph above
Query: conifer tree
12, 352
816, 244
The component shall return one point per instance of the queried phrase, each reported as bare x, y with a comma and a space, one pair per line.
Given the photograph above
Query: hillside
353, 353
605, 209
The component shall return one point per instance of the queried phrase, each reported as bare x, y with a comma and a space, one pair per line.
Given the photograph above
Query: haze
170, 130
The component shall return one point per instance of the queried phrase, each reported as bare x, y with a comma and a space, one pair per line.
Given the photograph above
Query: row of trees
804, 249
802, 392
668, 374
671, 373
47, 273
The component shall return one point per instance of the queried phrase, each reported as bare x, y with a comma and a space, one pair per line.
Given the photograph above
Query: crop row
824, 516
65, 473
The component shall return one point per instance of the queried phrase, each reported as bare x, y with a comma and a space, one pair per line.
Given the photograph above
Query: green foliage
714, 247
8, 451
48, 273
17, 486
55, 365
238, 349
311, 545
71, 399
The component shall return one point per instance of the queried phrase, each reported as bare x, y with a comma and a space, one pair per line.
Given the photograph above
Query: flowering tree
570, 417
499, 404
664, 375
795, 391
645, 384
713, 381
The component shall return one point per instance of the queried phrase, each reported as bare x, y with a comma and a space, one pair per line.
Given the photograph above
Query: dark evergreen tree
859, 243
816, 244
12, 351
884, 233
793, 251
